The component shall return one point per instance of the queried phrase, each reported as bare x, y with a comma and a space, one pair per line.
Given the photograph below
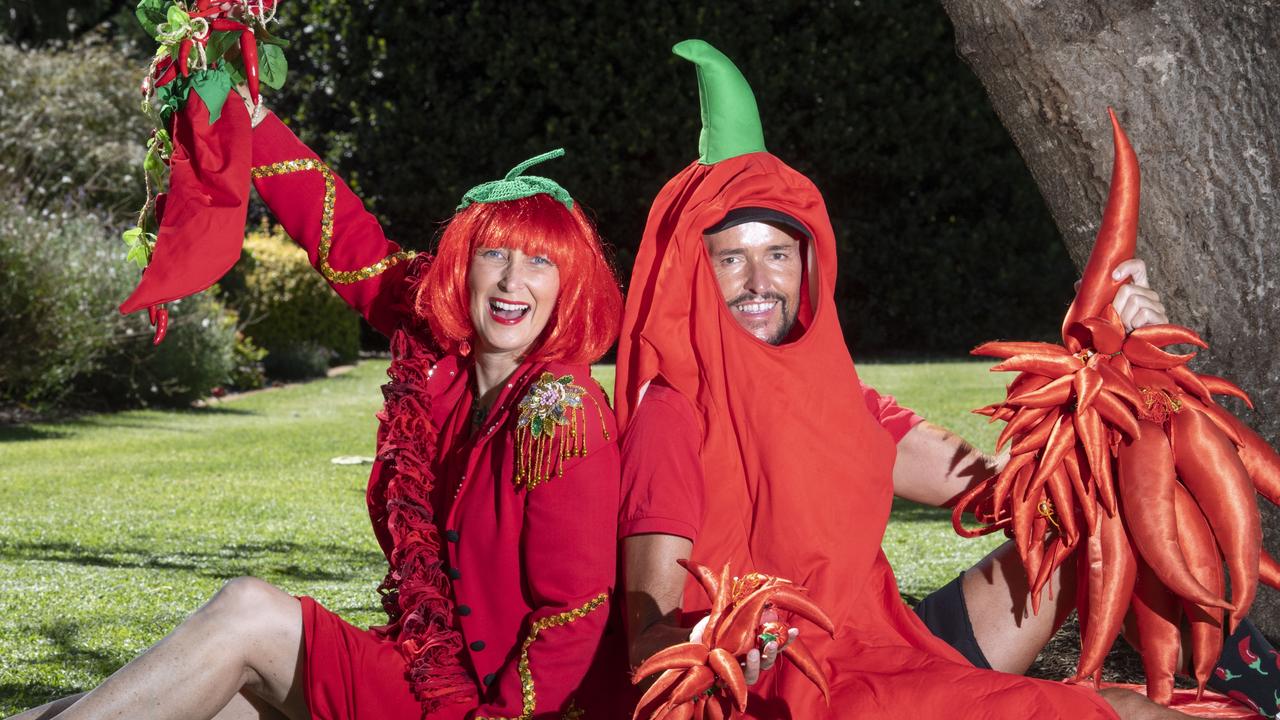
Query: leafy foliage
289, 310
197, 355
944, 240
70, 128
248, 373
61, 276
70, 169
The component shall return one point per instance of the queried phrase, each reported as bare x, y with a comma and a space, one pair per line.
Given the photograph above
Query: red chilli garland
416, 593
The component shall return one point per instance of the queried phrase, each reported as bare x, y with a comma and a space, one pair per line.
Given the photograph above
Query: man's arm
654, 589
934, 466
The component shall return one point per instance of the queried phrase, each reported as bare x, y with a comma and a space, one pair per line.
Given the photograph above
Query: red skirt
351, 674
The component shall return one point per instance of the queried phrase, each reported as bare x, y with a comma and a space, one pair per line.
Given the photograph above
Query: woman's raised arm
344, 242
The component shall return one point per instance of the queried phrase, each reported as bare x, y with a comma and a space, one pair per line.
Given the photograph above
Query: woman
495, 491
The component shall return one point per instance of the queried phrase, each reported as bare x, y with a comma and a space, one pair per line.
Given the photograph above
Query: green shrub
289, 310
60, 278
71, 145
71, 126
299, 361
943, 239
248, 373
197, 355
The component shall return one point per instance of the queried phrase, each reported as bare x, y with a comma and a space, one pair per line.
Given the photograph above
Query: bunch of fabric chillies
197, 167
703, 678
1120, 450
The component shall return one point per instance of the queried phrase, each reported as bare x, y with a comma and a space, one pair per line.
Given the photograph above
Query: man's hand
757, 660
1137, 303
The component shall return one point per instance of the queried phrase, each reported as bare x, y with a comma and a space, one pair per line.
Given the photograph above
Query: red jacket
531, 563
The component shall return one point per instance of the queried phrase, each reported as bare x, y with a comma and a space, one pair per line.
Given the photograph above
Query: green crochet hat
515, 186
730, 118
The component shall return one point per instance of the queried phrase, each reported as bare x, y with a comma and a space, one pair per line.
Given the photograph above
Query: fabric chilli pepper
196, 226
1163, 478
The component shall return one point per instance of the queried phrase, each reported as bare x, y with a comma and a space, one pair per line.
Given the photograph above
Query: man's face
759, 269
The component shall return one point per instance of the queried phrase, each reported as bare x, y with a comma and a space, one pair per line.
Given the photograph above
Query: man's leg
249, 636
986, 612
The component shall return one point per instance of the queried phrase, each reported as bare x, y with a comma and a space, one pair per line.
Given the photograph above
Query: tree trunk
1196, 85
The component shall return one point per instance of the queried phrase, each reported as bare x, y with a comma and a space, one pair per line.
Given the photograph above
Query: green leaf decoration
236, 71
265, 36
170, 97
140, 246
212, 85
272, 67
219, 43
151, 13
153, 165
162, 139
176, 17
535, 426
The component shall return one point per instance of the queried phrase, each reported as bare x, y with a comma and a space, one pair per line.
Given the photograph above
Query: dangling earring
464, 348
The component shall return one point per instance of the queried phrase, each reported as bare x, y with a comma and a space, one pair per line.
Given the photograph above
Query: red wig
588, 310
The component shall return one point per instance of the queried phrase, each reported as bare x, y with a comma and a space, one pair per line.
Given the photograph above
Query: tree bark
1196, 85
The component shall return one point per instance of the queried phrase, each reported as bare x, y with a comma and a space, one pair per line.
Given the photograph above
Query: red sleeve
661, 470
891, 416
569, 552
317, 209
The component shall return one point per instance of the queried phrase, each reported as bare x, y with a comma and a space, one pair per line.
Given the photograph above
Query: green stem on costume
730, 118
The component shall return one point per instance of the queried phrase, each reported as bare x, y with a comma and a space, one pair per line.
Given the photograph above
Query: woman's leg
248, 636
244, 706
51, 710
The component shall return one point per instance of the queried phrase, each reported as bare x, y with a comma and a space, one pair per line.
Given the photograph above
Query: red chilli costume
487, 605
793, 472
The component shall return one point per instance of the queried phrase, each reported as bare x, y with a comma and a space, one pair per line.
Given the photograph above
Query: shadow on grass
274, 561
907, 511
20, 433
24, 696
64, 651
64, 428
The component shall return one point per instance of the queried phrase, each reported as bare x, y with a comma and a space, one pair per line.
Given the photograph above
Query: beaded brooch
551, 402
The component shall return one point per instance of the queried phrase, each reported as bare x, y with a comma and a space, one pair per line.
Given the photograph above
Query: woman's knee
255, 605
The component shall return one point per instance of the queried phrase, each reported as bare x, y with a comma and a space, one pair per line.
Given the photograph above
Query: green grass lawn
114, 527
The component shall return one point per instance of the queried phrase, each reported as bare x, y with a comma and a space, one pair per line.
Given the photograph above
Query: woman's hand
256, 112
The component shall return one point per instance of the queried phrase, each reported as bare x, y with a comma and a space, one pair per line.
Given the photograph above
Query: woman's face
512, 298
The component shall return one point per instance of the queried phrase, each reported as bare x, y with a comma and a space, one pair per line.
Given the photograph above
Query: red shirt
662, 484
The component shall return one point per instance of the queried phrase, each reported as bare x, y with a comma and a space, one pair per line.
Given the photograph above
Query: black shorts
946, 615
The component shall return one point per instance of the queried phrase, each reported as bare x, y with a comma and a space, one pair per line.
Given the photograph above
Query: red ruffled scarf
416, 592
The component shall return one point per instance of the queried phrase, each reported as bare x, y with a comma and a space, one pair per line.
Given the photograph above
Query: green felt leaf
212, 85
170, 97
151, 13
219, 44
272, 67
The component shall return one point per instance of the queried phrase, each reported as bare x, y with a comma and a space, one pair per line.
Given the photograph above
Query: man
746, 444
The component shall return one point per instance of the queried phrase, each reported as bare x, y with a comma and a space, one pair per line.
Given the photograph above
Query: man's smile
757, 308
